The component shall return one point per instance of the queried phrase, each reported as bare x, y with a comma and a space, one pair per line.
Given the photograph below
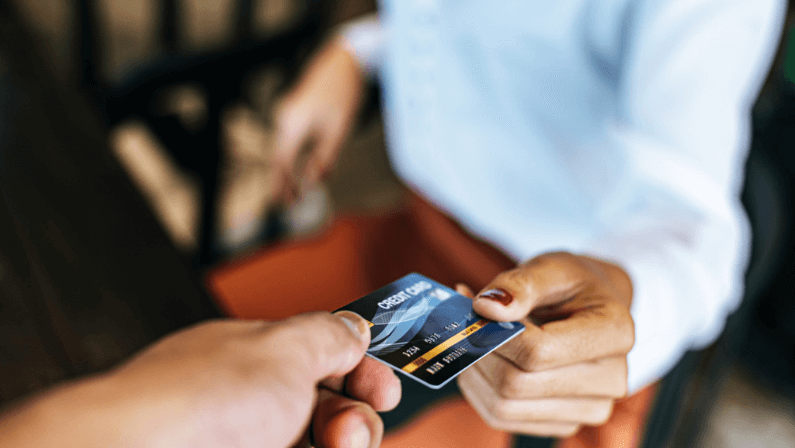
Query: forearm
101, 411
226, 382
78, 414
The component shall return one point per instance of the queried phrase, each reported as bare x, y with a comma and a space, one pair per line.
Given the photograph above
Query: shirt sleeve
364, 38
691, 73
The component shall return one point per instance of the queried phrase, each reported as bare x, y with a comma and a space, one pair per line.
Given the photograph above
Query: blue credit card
428, 331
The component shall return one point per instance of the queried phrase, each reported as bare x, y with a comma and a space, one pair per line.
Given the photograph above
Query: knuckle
544, 353
506, 388
488, 416
314, 318
525, 358
235, 361
511, 277
501, 410
243, 373
555, 259
563, 256
623, 326
276, 336
509, 384
529, 353
499, 425
627, 338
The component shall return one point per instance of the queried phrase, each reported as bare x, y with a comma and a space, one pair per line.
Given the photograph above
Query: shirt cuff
364, 39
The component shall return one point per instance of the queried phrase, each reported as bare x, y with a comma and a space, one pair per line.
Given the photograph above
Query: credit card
428, 331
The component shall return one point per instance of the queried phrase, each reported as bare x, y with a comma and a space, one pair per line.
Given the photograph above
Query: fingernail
498, 295
354, 322
360, 437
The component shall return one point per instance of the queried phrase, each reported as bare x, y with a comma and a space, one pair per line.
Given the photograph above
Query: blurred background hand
314, 118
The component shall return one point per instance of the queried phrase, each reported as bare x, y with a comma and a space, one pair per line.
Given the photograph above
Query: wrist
95, 412
77, 414
349, 88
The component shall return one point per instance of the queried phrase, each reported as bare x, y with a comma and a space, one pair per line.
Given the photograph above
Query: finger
319, 345
345, 423
464, 290
288, 189
335, 383
375, 384
317, 168
606, 377
534, 428
371, 382
575, 411
328, 146
545, 280
599, 330
293, 130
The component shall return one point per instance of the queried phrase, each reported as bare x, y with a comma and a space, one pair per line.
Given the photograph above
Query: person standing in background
597, 145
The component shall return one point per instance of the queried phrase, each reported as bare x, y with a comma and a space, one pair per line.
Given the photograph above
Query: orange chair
357, 255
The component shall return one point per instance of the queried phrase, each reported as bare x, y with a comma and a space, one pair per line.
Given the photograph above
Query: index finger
372, 382
597, 330
293, 129
544, 280
551, 279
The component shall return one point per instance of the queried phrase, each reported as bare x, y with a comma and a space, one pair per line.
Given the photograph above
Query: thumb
498, 302
326, 345
542, 281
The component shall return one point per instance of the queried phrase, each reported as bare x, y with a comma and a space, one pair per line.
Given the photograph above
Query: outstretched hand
317, 114
225, 383
570, 365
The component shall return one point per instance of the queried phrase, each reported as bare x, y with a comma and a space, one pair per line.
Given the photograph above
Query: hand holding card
570, 366
427, 331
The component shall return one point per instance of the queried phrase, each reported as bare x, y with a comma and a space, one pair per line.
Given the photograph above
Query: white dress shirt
614, 128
